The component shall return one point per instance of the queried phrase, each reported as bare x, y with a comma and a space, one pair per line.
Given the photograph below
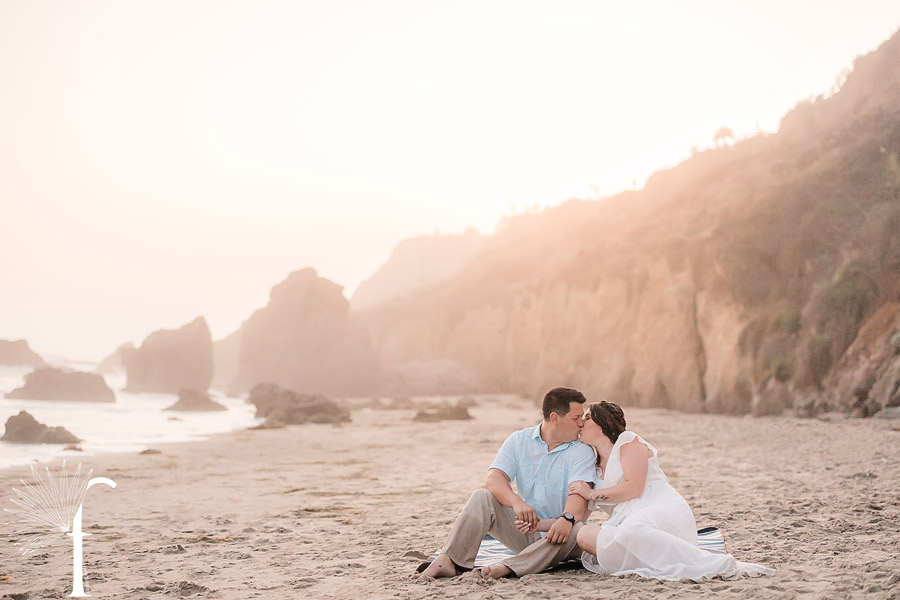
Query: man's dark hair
557, 401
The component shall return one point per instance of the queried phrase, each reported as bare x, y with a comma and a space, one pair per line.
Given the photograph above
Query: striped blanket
492, 551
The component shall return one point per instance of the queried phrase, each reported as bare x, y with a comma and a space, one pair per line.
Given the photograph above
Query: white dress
655, 535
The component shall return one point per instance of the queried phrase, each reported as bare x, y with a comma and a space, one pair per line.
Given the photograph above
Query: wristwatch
569, 517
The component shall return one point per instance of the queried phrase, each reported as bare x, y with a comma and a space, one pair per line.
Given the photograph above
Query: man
542, 460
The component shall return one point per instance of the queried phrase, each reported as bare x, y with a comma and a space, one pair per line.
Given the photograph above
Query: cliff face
305, 340
415, 264
226, 353
750, 278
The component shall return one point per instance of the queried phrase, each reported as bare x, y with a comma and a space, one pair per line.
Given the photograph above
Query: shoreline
349, 510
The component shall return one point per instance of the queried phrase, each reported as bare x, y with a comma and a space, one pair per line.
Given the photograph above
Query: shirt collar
536, 436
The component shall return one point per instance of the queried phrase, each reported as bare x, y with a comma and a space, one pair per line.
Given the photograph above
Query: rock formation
60, 384
169, 360
305, 340
440, 376
756, 277
24, 429
281, 406
226, 353
18, 353
415, 264
113, 362
193, 401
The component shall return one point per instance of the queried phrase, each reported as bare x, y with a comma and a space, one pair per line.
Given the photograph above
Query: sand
348, 511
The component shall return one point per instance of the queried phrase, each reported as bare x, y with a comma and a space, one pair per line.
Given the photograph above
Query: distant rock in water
18, 353
193, 401
305, 339
24, 429
279, 405
60, 384
113, 362
169, 360
415, 264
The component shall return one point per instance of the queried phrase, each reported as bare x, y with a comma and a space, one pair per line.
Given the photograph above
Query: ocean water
132, 423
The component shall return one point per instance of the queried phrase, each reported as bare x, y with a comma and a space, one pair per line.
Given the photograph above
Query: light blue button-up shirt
542, 478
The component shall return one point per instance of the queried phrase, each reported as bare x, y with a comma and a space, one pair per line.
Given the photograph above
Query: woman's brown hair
610, 417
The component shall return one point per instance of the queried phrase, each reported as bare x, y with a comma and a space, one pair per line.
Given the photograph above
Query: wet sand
348, 511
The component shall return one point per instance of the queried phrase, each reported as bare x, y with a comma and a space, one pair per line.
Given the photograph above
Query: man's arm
578, 506
560, 531
497, 483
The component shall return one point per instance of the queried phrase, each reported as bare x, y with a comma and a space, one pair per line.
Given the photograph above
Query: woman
651, 531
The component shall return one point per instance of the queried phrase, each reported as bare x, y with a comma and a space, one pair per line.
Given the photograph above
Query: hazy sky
164, 160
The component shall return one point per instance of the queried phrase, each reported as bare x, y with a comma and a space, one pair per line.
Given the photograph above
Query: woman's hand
527, 528
525, 513
581, 488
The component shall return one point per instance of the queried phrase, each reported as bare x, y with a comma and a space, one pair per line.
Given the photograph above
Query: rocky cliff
415, 264
113, 362
751, 278
226, 353
306, 340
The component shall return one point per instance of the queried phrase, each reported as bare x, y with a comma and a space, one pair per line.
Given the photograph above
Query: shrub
789, 321
895, 343
852, 293
781, 367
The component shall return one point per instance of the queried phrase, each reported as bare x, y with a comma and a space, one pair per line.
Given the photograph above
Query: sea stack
18, 353
60, 384
305, 340
170, 360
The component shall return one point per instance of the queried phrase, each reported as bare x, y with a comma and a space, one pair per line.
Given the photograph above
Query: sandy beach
348, 511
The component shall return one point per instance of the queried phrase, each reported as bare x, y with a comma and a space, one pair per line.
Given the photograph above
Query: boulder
169, 360
305, 339
193, 401
291, 408
891, 412
455, 412
18, 353
61, 384
24, 429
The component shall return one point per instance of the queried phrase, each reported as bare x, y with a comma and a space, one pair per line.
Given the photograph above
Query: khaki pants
483, 514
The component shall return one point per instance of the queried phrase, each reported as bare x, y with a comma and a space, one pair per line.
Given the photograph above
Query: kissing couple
573, 462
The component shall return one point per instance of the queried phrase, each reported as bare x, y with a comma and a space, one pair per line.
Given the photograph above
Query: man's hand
559, 532
525, 513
